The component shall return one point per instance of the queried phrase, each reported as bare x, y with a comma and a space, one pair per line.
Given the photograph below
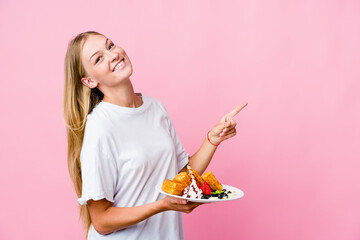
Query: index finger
237, 110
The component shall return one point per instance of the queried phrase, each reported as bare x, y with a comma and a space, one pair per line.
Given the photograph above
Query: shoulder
98, 140
155, 103
97, 125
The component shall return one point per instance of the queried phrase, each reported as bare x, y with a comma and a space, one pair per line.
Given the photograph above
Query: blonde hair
79, 101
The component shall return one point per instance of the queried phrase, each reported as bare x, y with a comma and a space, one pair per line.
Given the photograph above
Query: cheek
91, 70
103, 75
100, 71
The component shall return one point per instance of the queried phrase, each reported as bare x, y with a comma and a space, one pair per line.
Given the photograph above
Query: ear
90, 83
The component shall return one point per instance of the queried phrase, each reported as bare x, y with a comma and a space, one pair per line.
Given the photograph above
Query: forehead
92, 44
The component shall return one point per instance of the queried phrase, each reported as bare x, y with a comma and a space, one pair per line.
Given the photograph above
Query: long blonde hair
79, 101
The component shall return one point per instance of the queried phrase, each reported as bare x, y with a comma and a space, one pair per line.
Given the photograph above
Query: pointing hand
225, 129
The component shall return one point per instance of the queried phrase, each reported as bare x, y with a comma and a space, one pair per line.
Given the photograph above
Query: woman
122, 144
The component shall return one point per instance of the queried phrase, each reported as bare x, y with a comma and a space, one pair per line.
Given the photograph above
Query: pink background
297, 152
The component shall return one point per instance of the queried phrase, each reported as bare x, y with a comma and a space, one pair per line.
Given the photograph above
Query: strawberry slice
206, 188
198, 184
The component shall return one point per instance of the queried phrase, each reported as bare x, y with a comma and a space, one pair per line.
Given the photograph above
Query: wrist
160, 205
211, 140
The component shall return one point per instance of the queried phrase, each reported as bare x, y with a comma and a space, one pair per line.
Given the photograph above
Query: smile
119, 65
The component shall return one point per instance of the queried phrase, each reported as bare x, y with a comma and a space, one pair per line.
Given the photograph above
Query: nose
112, 55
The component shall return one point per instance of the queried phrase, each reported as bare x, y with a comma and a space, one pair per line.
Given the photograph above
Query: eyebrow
98, 51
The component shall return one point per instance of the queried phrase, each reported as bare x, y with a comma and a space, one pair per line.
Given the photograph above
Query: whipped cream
192, 191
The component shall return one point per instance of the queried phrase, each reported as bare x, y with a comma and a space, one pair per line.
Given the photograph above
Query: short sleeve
98, 168
181, 155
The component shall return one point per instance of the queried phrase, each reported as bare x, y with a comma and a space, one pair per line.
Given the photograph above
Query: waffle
212, 181
183, 178
172, 187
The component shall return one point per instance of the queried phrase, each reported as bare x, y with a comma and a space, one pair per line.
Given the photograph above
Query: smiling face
106, 64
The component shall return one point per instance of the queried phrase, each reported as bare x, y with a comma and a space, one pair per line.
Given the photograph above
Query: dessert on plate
192, 185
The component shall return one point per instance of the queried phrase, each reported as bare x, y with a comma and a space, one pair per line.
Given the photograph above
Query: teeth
119, 65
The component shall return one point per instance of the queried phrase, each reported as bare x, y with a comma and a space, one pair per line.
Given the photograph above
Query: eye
97, 60
111, 45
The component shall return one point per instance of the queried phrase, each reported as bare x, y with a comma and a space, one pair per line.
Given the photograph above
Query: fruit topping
217, 192
206, 188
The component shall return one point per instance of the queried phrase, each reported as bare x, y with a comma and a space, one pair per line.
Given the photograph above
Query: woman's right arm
107, 219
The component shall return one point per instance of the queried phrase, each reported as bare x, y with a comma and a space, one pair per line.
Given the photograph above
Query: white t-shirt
126, 152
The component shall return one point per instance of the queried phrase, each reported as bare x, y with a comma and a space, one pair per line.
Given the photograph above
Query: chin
127, 73
130, 71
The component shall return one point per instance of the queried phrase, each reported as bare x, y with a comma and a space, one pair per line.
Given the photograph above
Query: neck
123, 95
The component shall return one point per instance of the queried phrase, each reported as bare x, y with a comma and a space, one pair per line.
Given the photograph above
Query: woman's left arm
225, 129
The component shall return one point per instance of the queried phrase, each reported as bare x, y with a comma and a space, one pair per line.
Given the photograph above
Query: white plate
238, 194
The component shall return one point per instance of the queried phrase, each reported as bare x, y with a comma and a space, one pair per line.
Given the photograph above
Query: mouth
119, 65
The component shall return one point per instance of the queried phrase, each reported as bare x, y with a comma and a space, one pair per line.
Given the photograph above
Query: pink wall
297, 153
